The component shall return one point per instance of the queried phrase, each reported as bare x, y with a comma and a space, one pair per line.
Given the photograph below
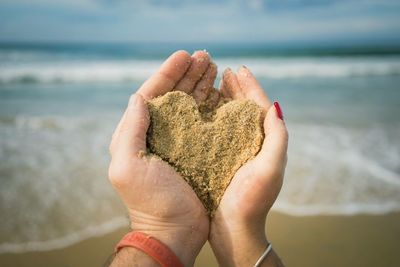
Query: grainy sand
205, 145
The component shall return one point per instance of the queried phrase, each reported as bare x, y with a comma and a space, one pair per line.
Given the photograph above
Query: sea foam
53, 164
67, 240
65, 71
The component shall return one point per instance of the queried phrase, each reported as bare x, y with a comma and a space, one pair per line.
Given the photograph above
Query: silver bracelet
263, 256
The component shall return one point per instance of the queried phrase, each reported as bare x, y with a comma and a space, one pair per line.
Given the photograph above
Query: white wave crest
340, 171
331, 171
338, 210
139, 70
67, 240
70, 72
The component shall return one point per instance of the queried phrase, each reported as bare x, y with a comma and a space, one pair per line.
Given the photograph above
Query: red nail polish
278, 110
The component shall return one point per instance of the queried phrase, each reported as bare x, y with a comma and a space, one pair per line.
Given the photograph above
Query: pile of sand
205, 145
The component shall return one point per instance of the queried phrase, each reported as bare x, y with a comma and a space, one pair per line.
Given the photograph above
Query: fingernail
278, 110
243, 69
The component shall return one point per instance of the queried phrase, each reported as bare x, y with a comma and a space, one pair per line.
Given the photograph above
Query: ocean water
59, 105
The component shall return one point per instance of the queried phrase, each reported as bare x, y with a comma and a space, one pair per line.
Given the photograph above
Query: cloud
195, 20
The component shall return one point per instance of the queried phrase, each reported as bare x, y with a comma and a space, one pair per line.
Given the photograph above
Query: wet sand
362, 240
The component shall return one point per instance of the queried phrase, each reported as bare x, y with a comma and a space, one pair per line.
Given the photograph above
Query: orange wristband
152, 247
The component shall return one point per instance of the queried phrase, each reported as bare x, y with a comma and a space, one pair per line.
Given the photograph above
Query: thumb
131, 136
273, 154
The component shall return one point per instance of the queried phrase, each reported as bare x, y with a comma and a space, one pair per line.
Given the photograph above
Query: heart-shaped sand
206, 147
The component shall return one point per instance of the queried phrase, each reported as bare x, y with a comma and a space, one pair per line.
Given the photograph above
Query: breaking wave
139, 70
60, 163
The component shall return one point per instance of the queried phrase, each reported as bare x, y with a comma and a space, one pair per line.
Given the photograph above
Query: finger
169, 74
251, 89
274, 148
206, 84
214, 97
131, 136
231, 84
200, 62
222, 89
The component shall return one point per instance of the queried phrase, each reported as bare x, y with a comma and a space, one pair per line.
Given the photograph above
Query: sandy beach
362, 240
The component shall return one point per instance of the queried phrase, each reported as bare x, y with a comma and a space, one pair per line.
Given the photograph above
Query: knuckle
124, 127
129, 123
132, 98
117, 174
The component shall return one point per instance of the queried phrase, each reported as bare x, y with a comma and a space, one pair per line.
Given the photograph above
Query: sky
270, 21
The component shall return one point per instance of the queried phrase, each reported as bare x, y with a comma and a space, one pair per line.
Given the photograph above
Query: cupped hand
237, 233
159, 201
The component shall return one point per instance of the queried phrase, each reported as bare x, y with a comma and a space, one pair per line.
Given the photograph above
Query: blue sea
59, 104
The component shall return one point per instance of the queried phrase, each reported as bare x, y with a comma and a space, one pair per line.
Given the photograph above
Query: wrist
236, 242
184, 237
184, 243
184, 234
179, 243
128, 255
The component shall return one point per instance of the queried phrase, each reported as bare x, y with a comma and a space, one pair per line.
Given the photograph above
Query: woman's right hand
237, 233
